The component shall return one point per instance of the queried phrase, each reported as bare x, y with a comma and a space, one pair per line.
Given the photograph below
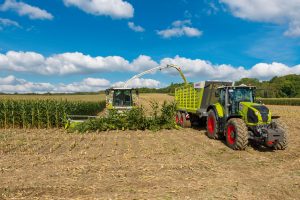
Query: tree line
278, 87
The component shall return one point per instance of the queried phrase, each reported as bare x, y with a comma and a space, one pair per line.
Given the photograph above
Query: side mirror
217, 94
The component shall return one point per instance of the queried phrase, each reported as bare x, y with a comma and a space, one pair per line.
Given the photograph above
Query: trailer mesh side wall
188, 98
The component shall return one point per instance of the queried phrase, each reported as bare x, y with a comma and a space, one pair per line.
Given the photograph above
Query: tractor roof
121, 88
238, 86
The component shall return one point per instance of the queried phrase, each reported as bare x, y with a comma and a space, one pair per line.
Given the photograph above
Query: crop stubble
135, 164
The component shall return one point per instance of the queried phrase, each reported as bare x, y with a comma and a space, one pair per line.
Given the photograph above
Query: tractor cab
120, 98
230, 97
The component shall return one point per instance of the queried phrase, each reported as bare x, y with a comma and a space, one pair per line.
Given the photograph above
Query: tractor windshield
241, 95
122, 98
238, 95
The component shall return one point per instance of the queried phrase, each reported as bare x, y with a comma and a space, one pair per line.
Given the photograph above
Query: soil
169, 164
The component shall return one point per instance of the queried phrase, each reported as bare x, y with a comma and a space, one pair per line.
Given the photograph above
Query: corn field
281, 101
43, 113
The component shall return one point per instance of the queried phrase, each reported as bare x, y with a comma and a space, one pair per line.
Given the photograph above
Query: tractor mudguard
218, 109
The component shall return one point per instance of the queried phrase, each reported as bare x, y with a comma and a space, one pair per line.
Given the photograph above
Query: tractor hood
254, 113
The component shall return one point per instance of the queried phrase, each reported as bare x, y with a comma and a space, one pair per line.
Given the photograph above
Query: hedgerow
134, 119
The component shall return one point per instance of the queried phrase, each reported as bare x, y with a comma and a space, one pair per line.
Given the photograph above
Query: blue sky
87, 45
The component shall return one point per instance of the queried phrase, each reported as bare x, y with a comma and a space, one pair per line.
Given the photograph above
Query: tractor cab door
222, 97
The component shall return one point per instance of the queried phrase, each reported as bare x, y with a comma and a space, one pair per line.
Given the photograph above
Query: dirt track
177, 164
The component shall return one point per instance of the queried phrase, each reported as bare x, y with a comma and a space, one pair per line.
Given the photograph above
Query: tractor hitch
273, 134
267, 134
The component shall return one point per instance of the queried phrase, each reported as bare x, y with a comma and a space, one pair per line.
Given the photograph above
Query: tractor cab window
241, 95
122, 98
238, 95
222, 97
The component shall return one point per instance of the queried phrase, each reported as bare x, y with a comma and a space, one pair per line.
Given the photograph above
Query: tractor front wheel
281, 145
236, 134
212, 125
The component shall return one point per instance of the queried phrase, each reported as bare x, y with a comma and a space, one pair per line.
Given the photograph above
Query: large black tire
236, 134
212, 128
284, 144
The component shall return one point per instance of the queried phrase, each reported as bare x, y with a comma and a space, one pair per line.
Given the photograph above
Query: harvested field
169, 164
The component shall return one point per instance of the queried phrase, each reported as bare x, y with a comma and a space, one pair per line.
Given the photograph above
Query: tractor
231, 112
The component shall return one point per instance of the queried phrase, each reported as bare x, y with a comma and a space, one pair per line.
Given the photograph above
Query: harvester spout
155, 69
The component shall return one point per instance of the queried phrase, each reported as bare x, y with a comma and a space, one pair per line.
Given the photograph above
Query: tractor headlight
252, 116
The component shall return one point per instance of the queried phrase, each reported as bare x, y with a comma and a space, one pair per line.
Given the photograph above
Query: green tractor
231, 113
237, 117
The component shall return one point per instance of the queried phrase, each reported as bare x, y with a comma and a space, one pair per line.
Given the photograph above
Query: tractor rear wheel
236, 134
212, 125
281, 145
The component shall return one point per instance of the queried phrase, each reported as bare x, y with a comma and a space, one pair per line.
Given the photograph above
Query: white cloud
205, 70
179, 29
112, 8
96, 82
7, 80
11, 84
179, 23
7, 22
139, 83
135, 28
78, 63
70, 63
143, 63
24, 9
86, 85
271, 11
266, 71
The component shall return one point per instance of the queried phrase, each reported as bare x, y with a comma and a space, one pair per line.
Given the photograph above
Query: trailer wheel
236, 134
186, 123
212, 125
281, 145
177, 118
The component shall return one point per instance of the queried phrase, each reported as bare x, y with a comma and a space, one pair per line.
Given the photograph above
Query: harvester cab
121, 99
